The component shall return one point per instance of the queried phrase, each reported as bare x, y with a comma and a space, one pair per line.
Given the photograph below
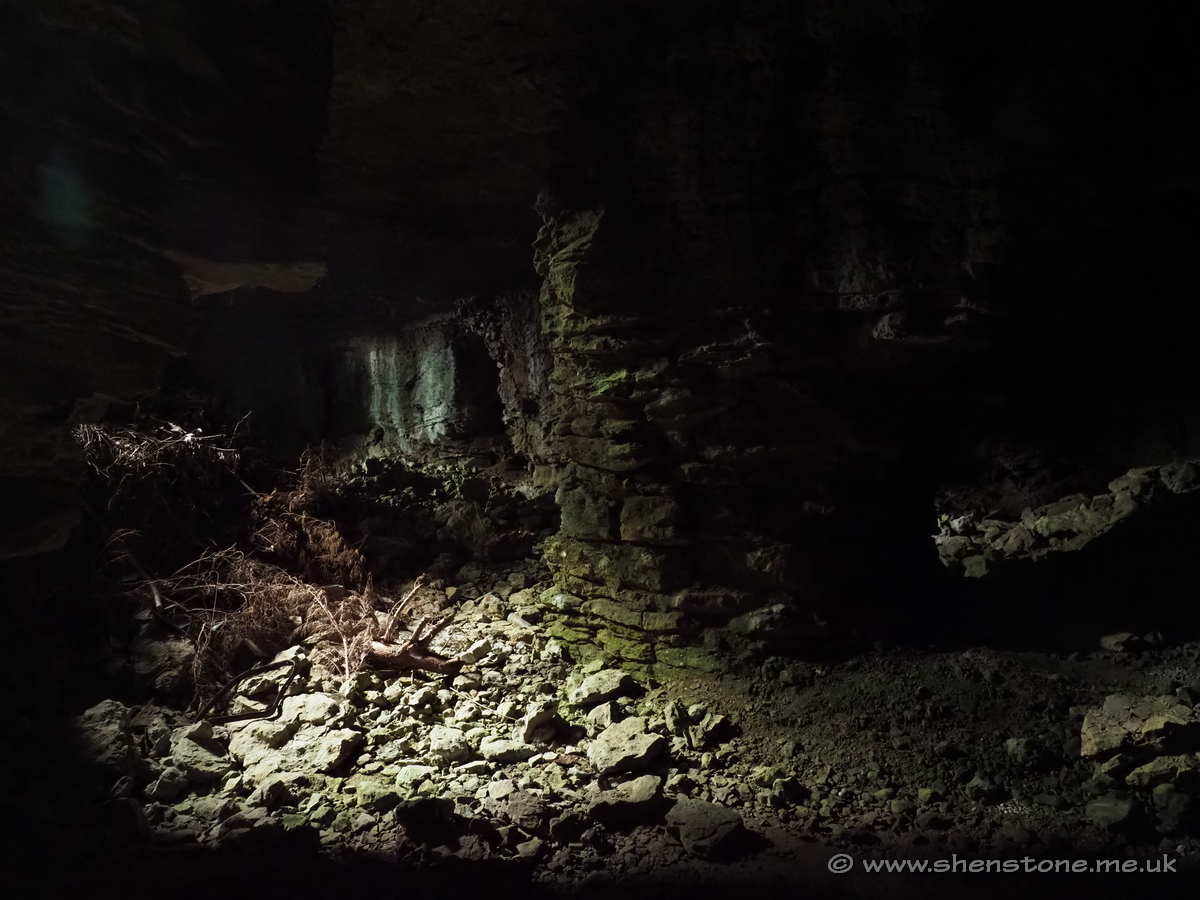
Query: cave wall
756, 289
432, 385
130, 134
812, 267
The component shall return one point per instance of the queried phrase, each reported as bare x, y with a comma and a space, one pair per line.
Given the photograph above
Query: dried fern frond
112, 449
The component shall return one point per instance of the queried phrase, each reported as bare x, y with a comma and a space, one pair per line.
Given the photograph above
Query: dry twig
348, 619
389, 630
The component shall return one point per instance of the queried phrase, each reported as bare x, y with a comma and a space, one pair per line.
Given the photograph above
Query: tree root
414, 653
406, 656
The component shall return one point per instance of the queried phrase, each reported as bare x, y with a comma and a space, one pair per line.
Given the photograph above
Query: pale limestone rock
626, 747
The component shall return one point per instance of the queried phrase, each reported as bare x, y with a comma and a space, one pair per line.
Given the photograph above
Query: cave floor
911, 756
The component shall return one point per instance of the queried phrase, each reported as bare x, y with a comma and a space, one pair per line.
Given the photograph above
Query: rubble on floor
527, 756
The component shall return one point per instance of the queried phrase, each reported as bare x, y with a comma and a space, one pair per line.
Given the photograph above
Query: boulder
167, 661
602, 717
1120, 642
1113, 811
531, 849
477, 651
313, 709
430, 821
448, 745
1175, 810
265, 748
567, 827
501, 788
409, 778
376, 794
607, 684
628, 803
334, 748
537, 724
104, 735
527, 811
273, 792
499, 750
214, 808
626, 747
1125, 720
257, 745
198, 754
170, 783
1181, 771
704, 828
1180, 477
1023, 751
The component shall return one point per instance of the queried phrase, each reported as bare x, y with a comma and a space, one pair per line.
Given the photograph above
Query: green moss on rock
662, 621
567, 634
613, 612
625, 648
690, 658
